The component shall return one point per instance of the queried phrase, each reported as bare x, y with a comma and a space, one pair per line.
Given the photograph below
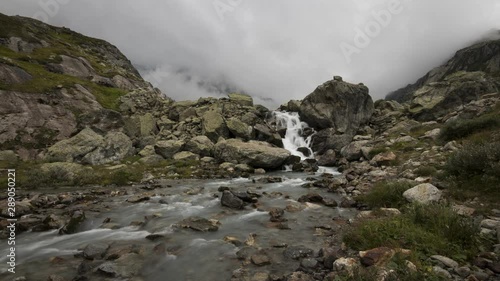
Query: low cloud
276, 50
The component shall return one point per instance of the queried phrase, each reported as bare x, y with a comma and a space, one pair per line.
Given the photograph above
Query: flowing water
191, 255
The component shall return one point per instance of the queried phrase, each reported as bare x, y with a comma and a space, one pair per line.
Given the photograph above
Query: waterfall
294, 140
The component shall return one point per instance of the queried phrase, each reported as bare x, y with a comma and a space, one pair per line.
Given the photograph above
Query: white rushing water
294, 128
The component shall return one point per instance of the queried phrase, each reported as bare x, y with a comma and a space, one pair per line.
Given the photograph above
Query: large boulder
354, 150
200, 145
167, 149
13, 74
239, 129
327, 139
88, 147
423, 193
254, 153
267, 134
338, 105
214, 125
241, 99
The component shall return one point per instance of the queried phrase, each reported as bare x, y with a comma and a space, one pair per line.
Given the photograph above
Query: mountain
483, 56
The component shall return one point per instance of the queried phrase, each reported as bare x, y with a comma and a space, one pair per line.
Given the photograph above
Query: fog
274, 50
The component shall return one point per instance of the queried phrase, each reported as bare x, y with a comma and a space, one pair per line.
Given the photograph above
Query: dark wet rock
260, 259
311, 197
297, 252
107, 269
309, 263
137, 198
330, 255
199, 224
95, 251
330, 202
160, 249
84, 267
348, 202
304, 150
495, 267
231, 201
328, 159
245, 253
73, 224
277, 215
246, 196
115, 251
154, 237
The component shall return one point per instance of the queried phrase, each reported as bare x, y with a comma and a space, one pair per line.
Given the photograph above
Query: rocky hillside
482, 57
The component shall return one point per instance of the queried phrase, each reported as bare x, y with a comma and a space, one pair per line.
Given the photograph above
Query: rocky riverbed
183, 230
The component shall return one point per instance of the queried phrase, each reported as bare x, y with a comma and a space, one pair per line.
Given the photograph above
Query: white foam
293, 138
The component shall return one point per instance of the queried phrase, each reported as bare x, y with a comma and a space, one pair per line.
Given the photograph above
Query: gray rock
230, 200
241, 99
214, 126
95, 251
297, 252
199, 224
328, 159
72, 226
446, 261
338, 105
186, 156
167, 149
13, 74
239, 129
327, 139
423, 193
353, 151
254, 153
200, 145
439, 271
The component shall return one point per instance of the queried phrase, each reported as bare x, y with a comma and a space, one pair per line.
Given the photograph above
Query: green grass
425, 230
459, 129
474, 170
387, 194
426, 171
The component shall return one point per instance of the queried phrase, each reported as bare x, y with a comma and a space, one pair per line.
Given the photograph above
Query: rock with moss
69, 170
214, 126
339, 105
437, 99
239, 129
254, 153
91, 148
200, 145
186, 156
241, 99
167, 149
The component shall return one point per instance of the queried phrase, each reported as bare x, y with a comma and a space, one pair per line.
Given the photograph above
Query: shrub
426, 171
424, 229
462, 128
386, 194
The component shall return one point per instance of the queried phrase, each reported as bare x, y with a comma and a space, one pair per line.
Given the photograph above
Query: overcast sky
280, 49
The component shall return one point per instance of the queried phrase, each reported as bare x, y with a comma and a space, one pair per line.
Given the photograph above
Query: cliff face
484, 57
54, 82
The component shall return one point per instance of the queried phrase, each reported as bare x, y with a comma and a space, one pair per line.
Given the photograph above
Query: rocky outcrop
214, 126
88, 147
338, 105
241, 99
483, 56
437, 99
254, 153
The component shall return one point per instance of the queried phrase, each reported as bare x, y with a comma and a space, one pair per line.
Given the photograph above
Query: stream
177, 253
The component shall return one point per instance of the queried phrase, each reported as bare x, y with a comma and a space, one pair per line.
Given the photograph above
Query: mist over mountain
277, 51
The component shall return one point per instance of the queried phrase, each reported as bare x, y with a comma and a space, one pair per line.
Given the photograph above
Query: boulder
77, 67
327, 139
239, 129
13, 74
338, 105
384, 158
167, 149
254, 153
231, 201
327, 159
353, 151
72, 226
199, 224
265, 133
241, 99
423, 193
214, 126
200, 145
186, 156
69, 170
88, 147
